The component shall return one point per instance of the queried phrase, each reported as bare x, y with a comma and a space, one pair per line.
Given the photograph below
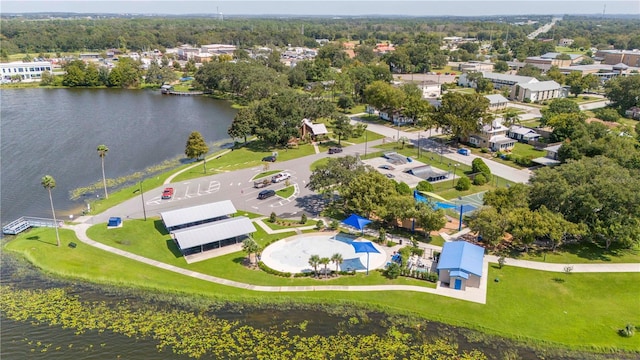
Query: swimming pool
292, 254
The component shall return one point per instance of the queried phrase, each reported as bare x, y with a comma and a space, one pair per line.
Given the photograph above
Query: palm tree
250, 247
337, 259
102, 152
48, 182
314, 261
511, 117
325, 261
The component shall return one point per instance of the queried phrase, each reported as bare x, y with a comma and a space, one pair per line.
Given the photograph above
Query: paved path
473, 295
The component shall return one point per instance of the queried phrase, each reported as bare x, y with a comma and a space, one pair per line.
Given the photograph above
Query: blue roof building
460, 264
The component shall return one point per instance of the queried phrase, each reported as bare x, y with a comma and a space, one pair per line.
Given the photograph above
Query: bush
320, 225
479, 180
607, 114
271, 271
391, 243
334, 225
478, 166
272, 217
303, 219
424, 186
523, 161
382, 235
403, 189
463, 184
628, 331
392, 271
484, 150
526, 101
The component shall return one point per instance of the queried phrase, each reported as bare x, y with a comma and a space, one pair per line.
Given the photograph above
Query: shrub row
271, 271
421, 275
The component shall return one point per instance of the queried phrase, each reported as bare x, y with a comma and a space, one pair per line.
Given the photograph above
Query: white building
498, 80
540, 91
28, 71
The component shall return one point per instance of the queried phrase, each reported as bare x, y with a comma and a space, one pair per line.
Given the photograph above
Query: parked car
335, 150
266, 194
167, 193
280, 177
269, 158
386, 167
261, 183
464, 152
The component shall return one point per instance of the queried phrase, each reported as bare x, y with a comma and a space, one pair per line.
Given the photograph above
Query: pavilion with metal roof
197, 215
213, 235
460, 264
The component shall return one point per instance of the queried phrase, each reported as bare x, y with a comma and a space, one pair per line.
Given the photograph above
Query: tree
314, 261
594, 192
303, 219
48, 182
511, 117
506, 199
335, 174
429, 219
624, 92
575, 82
384, 96
243, 124
102, 152
607, 114
393, 270
501, 66
462, 114
478, 166
337, 260
341, 126
489, 224
345, 102
196, 147
525, 226
554, 74
250, 246
559, 106
325, 261
368, 192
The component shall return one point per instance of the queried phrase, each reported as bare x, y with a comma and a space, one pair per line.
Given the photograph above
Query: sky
331, 7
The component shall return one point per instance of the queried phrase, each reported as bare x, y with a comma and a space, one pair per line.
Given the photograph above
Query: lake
56, 132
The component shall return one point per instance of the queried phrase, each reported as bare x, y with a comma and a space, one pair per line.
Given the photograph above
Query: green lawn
526, 150
265, 174
582, 253
286, 192
580, 311
288, 223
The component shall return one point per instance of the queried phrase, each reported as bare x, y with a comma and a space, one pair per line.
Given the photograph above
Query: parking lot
399, 170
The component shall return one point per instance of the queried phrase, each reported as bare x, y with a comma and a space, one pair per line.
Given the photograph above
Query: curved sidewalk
474, 296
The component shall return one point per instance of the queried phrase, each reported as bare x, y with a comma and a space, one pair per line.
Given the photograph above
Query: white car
280, 177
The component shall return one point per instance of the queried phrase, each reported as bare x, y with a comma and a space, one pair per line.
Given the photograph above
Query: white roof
317, 129
510, 78
541, 86
197, 213
496, 99
553, 148
522, 130
545, 161
212, 232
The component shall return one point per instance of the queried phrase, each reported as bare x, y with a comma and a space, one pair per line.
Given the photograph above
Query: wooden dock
183, 93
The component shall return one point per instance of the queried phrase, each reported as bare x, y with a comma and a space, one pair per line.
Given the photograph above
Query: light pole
418, 144
144, 210
453, 180
365, 143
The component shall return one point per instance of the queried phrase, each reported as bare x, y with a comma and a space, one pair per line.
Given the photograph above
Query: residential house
395, 117
551, 158
492, 136
311, 129
633, 113
497, 102
430, 89
460, 265
540, 91
522, 133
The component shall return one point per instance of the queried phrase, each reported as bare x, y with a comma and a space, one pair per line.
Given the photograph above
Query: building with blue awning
460, 264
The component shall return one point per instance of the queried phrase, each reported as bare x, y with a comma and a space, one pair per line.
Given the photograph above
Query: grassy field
286, 191
580, 311
582, 253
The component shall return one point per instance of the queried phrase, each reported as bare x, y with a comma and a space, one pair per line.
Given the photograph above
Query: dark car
269, 158
335, 150
266, 194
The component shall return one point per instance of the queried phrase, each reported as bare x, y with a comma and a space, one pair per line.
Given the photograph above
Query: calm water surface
56, 132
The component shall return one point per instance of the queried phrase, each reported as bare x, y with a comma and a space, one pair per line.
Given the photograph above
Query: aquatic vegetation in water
197, 334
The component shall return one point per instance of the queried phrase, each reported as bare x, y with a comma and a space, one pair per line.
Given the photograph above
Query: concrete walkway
478, 295
215, 156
